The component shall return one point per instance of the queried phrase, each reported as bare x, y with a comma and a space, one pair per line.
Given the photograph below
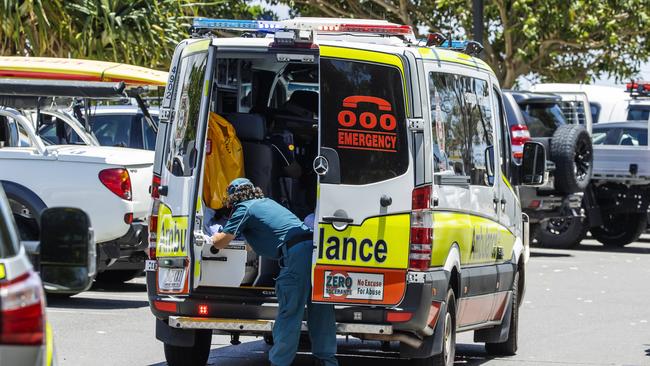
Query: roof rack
638, 88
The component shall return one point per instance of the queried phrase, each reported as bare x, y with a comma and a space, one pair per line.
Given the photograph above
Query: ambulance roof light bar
320, 25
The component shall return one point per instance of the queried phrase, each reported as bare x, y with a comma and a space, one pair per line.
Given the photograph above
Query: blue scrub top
265, 224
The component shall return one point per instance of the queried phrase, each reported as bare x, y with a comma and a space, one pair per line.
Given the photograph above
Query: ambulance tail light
421, 241
155, 187
519, 135
153, 230
118, 181
22, 320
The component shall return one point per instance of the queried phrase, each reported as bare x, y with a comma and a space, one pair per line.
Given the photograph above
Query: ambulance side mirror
68, 257
533, 164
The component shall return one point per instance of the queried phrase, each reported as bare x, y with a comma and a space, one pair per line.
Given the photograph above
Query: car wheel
619, 230
509, 346
572, 153
196, 355
561, 232
117, 276
448, 354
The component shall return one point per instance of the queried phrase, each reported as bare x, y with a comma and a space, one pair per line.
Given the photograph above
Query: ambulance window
182, 155
363, 119
463, 126
505, 145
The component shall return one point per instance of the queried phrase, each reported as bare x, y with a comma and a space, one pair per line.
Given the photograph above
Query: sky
283, 13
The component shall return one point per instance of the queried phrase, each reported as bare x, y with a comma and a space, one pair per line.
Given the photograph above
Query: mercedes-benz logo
321, 165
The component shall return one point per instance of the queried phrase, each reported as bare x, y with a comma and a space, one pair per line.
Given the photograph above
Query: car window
187, 106
149, 133
595, 111
363, 119
48, 132
620, 136
638, 113
112, 129
542, 119
463, 126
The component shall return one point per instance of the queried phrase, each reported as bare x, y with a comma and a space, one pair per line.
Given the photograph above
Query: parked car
109, 183
559, 123
66, 261
416, 239
608, 103
619, 194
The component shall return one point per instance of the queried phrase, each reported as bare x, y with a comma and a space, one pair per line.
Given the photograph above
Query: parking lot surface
588, 306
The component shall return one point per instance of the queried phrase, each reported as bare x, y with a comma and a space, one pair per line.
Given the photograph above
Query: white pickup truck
109, 183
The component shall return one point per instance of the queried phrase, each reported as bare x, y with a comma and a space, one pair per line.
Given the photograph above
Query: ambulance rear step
245, 325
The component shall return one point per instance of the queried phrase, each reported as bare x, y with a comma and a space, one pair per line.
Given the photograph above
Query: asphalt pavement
589, 306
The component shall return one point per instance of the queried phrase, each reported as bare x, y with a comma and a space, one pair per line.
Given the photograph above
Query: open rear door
364, 164
180, 172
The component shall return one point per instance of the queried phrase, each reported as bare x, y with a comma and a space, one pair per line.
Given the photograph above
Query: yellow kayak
76, 69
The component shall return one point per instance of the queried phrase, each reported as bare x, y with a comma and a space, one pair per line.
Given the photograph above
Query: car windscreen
620, 136
638, 113
542, 119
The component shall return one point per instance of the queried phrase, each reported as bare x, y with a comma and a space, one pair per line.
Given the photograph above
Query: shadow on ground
94, 304
351, 353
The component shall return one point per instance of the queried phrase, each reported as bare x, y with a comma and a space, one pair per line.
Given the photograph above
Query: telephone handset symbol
353, 102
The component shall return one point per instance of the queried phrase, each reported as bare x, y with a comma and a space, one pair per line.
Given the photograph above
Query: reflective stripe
49, 344
441, 54
195, 47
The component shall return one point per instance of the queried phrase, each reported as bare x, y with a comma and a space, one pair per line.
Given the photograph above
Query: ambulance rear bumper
266, 326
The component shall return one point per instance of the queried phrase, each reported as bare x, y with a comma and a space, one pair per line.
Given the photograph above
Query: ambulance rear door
365, 178
180, 167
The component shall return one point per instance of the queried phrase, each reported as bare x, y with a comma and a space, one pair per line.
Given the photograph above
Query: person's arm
221, 240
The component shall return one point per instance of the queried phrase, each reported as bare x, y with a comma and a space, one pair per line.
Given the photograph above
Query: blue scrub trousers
293, 289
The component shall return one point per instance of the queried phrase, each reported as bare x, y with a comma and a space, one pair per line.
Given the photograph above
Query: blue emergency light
234, 24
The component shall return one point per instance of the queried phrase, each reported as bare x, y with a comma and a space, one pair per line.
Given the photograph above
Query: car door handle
331, 219
163, 190
503, 201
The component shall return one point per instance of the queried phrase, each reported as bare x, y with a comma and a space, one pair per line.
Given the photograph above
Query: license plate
354, 286
150, 265
171, 279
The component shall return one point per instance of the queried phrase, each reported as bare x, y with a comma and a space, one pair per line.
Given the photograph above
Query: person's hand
202, 239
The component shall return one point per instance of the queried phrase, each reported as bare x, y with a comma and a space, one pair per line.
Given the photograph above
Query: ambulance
398, 146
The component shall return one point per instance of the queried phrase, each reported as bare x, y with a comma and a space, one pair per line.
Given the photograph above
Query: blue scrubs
267, 225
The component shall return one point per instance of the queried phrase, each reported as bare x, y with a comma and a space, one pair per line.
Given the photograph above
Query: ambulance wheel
268, 339
509, 346
197, 355
448, 354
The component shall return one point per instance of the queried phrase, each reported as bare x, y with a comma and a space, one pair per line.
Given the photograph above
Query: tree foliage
557, 40
140, 32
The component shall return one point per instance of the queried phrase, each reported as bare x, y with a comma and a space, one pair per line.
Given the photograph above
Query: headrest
249, 127
305, 99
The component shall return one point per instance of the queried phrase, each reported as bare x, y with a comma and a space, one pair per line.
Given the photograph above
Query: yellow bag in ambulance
224, 160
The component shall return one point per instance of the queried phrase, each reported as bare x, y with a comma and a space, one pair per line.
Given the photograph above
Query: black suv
554, 209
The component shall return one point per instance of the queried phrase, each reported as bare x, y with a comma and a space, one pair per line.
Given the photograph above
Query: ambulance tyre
509, 346
448, 354
197, 355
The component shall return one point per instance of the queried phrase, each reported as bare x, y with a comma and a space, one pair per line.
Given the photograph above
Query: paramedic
274, 232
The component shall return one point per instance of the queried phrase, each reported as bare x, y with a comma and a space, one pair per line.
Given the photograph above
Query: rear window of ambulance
363, 119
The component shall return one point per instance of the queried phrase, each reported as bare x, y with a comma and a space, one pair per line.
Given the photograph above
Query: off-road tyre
561, 232
509, 346
197, 355
448, 354
572, 153
619, 230
117, 276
